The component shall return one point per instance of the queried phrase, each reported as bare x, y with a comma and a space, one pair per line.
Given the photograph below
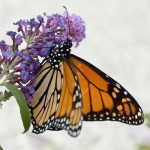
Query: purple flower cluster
76, 28
20, 65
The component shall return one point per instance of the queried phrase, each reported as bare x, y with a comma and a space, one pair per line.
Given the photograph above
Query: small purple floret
7, 54
18, 39
40, 18
25, 76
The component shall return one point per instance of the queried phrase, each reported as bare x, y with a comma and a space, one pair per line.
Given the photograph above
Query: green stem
9, 66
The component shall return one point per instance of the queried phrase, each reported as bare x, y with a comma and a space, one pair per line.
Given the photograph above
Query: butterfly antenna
68, 33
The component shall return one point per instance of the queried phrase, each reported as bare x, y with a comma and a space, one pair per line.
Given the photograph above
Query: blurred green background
118, 42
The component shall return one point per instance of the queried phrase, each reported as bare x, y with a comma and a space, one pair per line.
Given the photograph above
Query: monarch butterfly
70, 90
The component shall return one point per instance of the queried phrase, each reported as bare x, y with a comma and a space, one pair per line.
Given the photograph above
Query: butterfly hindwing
52, 128
103, 98
69, 112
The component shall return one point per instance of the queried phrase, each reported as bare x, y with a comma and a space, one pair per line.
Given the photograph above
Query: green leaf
7, 95
1, 148
1, 105
24, 110
147, 115
4, 96
143, 147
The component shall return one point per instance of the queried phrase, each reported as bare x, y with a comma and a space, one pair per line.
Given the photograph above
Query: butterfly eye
69, 44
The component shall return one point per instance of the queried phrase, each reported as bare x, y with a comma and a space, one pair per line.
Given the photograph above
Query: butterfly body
58, 53
69, 90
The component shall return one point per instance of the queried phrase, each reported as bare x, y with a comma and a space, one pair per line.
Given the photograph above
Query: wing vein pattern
56, 103
103, 98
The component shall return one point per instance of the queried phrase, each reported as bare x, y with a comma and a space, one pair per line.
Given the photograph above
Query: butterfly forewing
48, 86
103, 98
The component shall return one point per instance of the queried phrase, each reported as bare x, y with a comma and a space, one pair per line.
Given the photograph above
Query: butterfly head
67, 44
